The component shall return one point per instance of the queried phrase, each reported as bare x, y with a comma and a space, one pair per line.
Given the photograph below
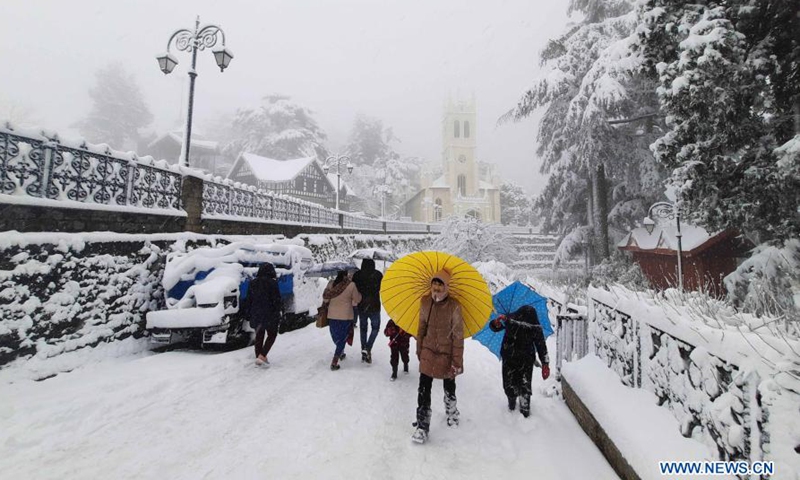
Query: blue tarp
506, 302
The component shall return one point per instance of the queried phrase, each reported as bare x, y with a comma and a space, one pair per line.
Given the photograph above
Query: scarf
335, 290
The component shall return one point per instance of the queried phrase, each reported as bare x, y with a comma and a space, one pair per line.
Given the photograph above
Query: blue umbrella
506, 302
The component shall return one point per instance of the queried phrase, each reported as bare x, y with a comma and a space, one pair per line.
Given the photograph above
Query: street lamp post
337, 161
668, 211
192, 41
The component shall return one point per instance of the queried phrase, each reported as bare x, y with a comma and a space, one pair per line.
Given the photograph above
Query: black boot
405, 368
525, 405
394, 373
512, 403
363, 355
369, 357
452, 411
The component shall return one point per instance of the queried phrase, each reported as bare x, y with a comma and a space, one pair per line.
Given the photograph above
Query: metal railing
41, 166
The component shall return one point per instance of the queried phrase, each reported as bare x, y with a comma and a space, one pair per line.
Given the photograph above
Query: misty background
396, 61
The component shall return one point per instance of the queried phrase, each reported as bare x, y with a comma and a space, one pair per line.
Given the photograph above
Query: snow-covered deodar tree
729, 84
279, 129
600, 115
381, 174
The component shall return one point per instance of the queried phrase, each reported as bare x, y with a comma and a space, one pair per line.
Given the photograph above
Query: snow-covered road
199, 415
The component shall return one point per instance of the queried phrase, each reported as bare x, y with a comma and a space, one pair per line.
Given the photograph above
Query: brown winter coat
440, 338
341, 307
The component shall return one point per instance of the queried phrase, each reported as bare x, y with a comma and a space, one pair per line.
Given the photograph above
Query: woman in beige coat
440, 350
341, 295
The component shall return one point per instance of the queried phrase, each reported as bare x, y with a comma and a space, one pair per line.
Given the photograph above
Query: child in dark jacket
398, 342
524, 339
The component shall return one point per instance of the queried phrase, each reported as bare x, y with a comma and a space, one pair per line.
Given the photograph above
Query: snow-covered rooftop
271, 170
440, 182
347, 189
664, 238
177, 136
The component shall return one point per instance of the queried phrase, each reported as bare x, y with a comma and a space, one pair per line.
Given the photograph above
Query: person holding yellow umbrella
442, 299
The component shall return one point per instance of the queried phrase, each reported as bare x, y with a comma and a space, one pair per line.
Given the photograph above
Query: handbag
322, 315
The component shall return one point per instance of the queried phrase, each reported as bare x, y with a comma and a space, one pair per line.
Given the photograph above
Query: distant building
467, 187
300, 177
204, 154
705, 260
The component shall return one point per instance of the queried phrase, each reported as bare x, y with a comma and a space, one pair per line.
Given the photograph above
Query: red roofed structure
706, 258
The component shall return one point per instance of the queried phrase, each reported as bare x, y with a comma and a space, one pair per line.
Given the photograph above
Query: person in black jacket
264, 309
523, 340
368, 282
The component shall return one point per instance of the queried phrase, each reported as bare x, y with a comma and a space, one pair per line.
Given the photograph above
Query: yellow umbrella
408, 279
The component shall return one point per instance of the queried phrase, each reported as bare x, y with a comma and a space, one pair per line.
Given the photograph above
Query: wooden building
300, 177
706, 258
203, 154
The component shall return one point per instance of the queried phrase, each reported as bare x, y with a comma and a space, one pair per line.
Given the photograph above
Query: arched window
456, 129
462, 185
474, 214
466, 129
437, 210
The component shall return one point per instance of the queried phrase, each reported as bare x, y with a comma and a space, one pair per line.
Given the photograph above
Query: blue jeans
375, 321
339, 331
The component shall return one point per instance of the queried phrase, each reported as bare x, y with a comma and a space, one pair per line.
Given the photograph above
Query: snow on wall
61, 293
733, 388
60, 297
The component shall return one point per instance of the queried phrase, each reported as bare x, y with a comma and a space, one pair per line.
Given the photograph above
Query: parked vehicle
205, 288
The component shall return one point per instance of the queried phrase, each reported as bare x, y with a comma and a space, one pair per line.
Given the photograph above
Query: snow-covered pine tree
380, 171
118, 109
515, 206
279, 129
599, 118
729, 76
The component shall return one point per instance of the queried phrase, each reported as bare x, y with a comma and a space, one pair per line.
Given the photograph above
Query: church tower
458, 147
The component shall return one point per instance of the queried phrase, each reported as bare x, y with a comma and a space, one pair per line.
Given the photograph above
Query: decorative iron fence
40, 166
223, 198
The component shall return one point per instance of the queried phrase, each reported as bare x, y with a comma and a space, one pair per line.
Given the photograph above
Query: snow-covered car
205, 288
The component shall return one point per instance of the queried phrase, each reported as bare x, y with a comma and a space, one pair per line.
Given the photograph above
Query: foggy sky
395, 60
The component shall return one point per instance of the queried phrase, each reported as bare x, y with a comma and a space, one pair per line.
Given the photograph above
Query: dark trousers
369, 319
424, 399
262, 347
517, 372
398, 351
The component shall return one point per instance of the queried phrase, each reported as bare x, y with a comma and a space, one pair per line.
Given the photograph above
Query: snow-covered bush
768, 283
474, 241
619, 269
498, 275
69, 294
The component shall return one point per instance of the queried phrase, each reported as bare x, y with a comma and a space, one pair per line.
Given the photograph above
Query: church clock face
462, 159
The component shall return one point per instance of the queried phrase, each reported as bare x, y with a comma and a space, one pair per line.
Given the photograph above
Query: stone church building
466, 187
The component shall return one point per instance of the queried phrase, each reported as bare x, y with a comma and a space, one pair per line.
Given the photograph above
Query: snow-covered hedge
733, 386
60, 293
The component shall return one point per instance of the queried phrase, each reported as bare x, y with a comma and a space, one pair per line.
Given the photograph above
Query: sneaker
369, 357
261, 360
419, 436
342, 356
363, 356
394, 376
335, 366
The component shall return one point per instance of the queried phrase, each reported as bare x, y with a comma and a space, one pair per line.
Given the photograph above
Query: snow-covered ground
214, 415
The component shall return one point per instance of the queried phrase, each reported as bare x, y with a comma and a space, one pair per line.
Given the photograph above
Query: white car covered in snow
204, 289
